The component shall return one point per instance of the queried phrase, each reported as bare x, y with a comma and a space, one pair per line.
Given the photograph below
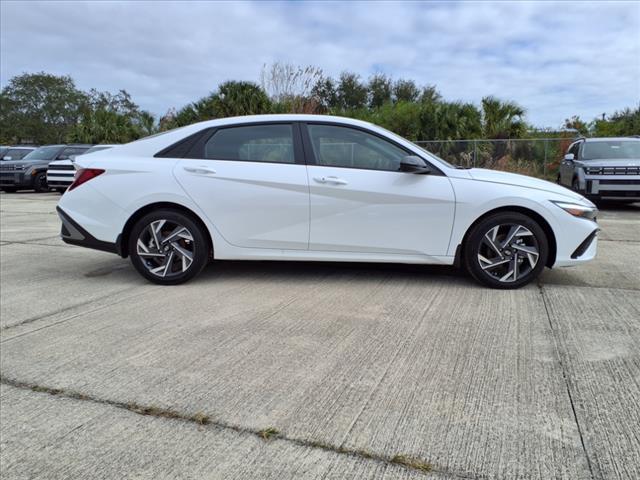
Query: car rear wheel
168, 247
40, 182
506, 250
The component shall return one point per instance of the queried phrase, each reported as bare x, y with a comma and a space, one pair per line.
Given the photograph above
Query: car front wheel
506, 250
40, 183
168, 247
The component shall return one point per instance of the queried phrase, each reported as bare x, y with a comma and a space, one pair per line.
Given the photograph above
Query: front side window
574, 149
336, 146
253, 143
16, 153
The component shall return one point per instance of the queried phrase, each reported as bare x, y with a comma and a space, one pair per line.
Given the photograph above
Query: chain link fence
537, 157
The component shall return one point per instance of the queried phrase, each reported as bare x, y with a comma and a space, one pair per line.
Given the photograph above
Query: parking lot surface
313, 371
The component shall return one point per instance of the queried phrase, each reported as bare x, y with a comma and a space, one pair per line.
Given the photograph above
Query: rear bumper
73, 234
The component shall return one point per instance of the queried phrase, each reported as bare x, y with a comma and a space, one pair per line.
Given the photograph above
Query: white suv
60, 173
319, 188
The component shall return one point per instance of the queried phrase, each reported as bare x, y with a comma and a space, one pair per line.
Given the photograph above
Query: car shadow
302, 271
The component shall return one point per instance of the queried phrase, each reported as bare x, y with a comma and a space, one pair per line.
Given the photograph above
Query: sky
554, 59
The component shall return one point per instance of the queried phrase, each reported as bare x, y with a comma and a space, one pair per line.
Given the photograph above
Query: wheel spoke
168, 264
489, 264
155, 231
490, 238
185, 256
179, 231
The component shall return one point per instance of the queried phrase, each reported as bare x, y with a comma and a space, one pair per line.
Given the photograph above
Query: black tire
476, 244
40, 182
60, 190
200, 247
575, 185
9, 189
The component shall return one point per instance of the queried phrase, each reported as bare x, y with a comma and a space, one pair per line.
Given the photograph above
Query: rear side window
69, 151
254, 143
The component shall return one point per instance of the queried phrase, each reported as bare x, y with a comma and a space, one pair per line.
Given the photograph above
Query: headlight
577, 210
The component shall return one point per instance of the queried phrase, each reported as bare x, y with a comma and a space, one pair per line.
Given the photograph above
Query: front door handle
333, 180
200, 170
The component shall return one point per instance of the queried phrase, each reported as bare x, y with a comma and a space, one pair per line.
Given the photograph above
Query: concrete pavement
365, 371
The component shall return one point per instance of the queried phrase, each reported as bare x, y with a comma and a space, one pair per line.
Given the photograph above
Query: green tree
623, 123
352, 93
449, 121
502, 119
326, 94
405, 91
111, 118
39, 107
239, 98
576, 123
379, 90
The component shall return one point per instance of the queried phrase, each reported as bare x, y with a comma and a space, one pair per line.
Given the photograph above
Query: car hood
611, 162
507, 178
60, 162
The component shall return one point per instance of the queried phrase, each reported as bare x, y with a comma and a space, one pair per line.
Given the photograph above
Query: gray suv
603, 168
30, 173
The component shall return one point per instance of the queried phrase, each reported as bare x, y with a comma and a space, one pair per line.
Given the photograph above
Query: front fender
475, 199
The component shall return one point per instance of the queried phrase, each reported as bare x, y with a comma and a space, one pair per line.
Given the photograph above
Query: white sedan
316, 188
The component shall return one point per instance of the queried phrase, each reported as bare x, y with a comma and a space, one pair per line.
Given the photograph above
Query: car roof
20, 147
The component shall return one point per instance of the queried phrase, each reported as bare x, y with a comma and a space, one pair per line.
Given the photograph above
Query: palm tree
502, 119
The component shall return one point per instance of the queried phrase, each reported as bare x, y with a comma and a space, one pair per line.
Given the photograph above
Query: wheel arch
122, 243
548, 231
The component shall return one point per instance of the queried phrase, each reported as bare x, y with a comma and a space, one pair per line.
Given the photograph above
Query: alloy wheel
166, 248
508, 252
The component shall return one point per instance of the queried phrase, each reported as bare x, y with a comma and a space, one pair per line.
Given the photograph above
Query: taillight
84, 175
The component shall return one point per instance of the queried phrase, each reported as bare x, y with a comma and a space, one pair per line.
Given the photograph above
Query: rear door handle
200, 170
333, 180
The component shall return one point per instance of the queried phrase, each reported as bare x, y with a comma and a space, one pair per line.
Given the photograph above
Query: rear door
361, 202
251, 182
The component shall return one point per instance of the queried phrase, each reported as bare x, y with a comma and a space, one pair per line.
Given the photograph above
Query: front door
360, 202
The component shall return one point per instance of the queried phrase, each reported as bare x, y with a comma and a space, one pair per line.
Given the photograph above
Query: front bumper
15, 178
613, 187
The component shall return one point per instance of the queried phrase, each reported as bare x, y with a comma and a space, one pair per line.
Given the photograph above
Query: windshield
43, 153
627, 149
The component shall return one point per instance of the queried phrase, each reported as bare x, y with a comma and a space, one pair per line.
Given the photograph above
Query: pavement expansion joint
268, 434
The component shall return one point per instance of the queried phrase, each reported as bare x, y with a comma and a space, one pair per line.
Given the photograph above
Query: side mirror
569, 157
414, 164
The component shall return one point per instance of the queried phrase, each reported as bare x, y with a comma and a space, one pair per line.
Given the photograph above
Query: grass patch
413, 463
201, 418
268, 433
